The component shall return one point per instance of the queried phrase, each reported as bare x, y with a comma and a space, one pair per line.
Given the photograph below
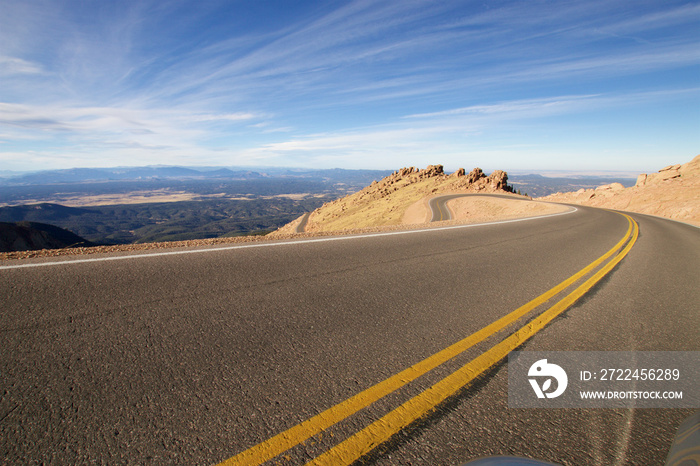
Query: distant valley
128, 205
151, 204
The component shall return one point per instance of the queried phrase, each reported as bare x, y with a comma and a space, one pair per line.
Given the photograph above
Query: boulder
641, 180
610, 187
431, 171
406, 171
475, 175
499, 180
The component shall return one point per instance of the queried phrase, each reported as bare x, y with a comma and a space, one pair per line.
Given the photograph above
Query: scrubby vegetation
168, 221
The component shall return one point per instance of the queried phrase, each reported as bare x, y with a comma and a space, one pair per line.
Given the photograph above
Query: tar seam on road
383, 429
285, 243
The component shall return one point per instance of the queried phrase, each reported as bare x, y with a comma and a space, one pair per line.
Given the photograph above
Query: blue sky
513, 85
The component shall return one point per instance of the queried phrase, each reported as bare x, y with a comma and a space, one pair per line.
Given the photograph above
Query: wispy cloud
17, 66
550, 106
460, 134
356, 77
239, 116
516, 109
120, 133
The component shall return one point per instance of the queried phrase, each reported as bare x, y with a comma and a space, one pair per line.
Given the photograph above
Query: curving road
438, 206
439, 210
302, 224
194, 356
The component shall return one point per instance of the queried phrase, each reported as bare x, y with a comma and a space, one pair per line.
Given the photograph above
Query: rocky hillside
673, 192
386, 201
30, 236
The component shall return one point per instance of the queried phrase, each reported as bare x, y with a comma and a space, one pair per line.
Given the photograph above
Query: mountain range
79, 175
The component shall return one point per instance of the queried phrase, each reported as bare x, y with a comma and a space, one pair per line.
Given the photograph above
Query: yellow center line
381, 430
293, 436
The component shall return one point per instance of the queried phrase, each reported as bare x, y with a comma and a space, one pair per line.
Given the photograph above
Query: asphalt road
438, 207
191, 358
302, 224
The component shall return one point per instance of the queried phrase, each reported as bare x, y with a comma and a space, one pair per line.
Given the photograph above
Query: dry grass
358, 211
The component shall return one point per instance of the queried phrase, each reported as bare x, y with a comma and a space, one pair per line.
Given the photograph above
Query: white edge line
283, 243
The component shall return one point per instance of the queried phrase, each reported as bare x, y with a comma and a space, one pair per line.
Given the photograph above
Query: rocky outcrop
641, 180
610, 187
475, 175
498, 180
414, 174
432, 171
666, 173
476, 180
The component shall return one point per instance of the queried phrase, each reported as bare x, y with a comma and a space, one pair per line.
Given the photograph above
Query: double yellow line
439, 207
382, 429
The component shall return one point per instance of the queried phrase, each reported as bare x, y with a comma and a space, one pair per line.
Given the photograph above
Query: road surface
438, 207
200, 355
302, 224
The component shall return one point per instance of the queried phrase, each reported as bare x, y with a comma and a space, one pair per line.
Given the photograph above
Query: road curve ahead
440, 211
438, 207
302, 223
197, 357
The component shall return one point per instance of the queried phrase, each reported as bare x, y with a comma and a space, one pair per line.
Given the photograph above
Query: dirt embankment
672, 192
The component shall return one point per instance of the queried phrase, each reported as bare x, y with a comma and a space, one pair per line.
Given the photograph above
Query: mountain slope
672, 192
385, 202
81, 175
30, 236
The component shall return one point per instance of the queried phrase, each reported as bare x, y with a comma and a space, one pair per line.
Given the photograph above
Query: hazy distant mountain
536, 185
79, 175
29, 236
